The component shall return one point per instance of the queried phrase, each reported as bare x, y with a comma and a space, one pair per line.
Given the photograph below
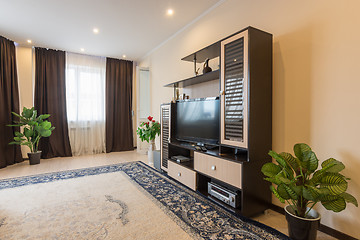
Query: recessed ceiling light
29, 41
96, 30
170, 12
82, 49
124, 56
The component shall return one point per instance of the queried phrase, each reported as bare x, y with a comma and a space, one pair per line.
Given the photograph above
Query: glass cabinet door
234, 92
165, 135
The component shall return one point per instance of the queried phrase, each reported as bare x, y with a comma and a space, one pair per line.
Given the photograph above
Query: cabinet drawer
223, 170
182, 174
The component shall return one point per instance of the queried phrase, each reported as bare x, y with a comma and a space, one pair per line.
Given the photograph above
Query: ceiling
130, 27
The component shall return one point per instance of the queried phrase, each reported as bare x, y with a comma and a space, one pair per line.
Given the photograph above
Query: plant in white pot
147, 131
33, 129
298, 182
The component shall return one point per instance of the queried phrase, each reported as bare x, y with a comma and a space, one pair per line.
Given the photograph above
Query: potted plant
298, 182
148, 131
33, 129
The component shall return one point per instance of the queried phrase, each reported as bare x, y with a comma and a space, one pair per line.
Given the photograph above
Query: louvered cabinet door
234, 91
165, 135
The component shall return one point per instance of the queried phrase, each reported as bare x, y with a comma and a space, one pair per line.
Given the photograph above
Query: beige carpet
104, 206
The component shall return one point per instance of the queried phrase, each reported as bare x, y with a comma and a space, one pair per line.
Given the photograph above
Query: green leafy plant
299, 182
148, 130
33, 128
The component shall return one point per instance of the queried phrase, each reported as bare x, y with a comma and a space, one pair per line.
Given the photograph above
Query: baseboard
325, 229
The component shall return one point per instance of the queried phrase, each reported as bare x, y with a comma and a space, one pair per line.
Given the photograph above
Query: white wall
315, 80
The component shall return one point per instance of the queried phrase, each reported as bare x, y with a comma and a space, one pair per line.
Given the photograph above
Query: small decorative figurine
206, 68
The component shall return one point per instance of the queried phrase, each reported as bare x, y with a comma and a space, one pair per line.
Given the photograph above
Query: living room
314, 87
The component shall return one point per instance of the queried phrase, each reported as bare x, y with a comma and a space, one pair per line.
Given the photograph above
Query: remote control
203, 148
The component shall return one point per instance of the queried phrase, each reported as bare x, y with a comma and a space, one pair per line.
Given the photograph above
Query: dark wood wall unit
256, 191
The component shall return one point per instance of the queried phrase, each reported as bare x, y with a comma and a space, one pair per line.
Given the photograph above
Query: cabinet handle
179, 174
213, 167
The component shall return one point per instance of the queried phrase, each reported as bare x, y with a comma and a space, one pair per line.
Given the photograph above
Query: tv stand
228, 169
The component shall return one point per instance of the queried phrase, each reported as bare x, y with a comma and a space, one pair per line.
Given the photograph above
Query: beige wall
24, 62
316, 84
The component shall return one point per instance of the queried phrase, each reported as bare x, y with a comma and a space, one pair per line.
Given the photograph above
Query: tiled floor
270, 218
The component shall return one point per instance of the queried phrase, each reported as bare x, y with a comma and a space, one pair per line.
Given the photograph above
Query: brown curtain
119, 129
9, 102
50, 97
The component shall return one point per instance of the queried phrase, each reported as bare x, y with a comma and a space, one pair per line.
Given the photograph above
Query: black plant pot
34, 158
302, 228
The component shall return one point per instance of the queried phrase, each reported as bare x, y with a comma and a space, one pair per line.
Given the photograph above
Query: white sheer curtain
85, 102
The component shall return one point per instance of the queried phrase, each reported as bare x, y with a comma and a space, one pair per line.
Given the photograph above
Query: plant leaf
46, 125
333, 165
270, 169
316, 178
278, 158
313, 161
19, 134
291, 161
15, 125
28, 132
300, 149
283, 180
307, 194
276, 194
282, 192
45, 133
297, 189
334, 203
291, 192
273, 180
44, 116
18, 139
349, 198
335, 182
27, 113
15, 114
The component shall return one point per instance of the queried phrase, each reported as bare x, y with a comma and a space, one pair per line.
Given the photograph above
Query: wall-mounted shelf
200, 56
195, 80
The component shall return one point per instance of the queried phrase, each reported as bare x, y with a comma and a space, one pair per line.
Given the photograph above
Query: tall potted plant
298, 182
33, 129
147, 131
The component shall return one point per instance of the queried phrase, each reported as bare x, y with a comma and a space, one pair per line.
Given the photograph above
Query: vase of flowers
147, 131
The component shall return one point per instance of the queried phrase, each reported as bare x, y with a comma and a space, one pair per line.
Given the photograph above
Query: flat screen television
197, 121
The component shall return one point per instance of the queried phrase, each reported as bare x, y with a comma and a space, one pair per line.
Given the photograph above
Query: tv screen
198, 121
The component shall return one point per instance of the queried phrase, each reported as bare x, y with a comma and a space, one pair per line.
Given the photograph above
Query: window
85, 102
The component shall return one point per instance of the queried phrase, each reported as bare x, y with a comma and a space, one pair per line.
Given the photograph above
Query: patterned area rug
122, 201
